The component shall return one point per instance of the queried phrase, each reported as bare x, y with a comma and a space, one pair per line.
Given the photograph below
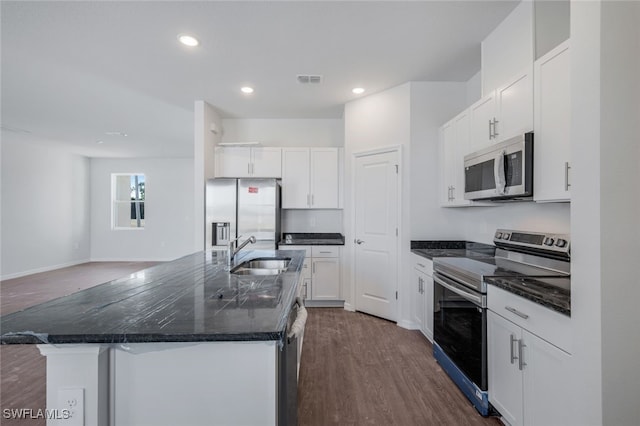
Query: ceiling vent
309, 79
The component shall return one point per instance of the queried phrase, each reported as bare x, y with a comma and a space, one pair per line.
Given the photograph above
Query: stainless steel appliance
503, 171
460, 301
242, 208
289, 364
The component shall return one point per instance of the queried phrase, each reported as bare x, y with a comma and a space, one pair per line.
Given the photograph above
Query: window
127, 200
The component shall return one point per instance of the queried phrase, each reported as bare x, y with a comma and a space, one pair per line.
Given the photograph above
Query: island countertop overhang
191, 299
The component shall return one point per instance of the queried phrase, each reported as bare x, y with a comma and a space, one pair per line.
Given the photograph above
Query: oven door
460, 327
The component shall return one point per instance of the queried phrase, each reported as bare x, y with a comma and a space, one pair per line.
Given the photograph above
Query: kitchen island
185, 342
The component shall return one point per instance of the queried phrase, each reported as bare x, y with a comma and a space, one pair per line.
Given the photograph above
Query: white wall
312, 220
605, 41
204, 141
474, 89
509, 48
285, 132
168, 232
45, 206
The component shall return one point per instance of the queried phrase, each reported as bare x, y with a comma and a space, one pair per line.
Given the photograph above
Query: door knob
359, 241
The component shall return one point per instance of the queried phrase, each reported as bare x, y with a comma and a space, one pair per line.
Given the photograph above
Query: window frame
114, 201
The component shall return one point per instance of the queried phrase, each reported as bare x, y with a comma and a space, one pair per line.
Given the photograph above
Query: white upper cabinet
503, 113
257, 162
310, 178
552, 104
514, 106
454, 145
482, 115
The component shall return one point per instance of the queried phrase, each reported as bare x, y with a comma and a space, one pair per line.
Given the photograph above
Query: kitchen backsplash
312, 221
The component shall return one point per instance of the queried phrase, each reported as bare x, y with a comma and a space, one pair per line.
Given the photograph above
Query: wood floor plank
360, 370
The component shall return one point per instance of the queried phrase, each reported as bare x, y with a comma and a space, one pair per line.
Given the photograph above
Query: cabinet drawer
549, 325
325, 251
423, 264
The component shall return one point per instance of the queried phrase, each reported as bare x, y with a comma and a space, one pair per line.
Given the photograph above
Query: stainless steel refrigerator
242, 208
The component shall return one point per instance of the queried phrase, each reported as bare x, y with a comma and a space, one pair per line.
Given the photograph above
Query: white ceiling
72, 71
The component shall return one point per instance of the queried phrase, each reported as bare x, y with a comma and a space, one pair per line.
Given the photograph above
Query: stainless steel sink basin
262, 266
256, 271
267, 263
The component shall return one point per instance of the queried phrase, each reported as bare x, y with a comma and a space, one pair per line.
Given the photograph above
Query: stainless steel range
460, 301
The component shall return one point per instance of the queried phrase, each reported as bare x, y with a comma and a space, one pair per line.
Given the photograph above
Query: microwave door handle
498, 172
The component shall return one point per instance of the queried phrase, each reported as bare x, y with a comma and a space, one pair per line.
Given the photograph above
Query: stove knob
548, 241
498, 235
505, 236
561, 243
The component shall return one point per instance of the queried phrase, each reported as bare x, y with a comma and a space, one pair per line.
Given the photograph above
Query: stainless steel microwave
503, 171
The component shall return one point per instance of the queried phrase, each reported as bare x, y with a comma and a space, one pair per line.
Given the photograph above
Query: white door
233, 162
515, 106
376, 263
481, 113
325, 278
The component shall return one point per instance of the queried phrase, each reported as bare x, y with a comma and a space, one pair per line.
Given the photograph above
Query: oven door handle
452, 286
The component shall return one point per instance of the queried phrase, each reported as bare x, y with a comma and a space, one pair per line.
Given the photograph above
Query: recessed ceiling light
247, 89
358, 90
123, 134
188, 40
99, 142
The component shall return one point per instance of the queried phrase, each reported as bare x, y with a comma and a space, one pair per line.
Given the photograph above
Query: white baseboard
43, 269
349, 307
409, 325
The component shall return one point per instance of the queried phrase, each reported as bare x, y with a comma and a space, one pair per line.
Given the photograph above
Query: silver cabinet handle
453, 193
517, 312
490, 132
419, 285
421, 265
521, 363
359, 241
512, 340
325, 252
566, 176
495, 133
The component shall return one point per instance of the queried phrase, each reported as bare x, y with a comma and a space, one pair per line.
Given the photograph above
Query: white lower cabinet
320, 278
422, 295
528, 376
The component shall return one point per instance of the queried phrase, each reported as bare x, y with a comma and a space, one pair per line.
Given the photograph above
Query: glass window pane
128, 200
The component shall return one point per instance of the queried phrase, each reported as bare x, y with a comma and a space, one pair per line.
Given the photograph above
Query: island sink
262, 266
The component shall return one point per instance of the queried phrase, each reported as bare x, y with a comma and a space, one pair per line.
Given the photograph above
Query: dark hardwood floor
361, 370
356, 369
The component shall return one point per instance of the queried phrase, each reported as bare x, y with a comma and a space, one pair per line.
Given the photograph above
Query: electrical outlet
71, 400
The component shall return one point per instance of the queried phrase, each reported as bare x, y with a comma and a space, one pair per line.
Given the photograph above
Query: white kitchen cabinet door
324, 178
552, 103
417, 299
547, 381
295, 178
505, 377
266, 162
325, 278
447, 158
515, 107
233, 162
462, 147
427, 289
481, 114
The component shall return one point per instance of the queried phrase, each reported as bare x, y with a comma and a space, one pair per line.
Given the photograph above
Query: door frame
352, 251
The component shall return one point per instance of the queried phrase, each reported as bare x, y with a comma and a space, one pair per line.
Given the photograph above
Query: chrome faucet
232, 250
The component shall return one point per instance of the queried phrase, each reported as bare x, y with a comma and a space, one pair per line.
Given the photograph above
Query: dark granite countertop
431, 249
312, 239
554, 293
191, 299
